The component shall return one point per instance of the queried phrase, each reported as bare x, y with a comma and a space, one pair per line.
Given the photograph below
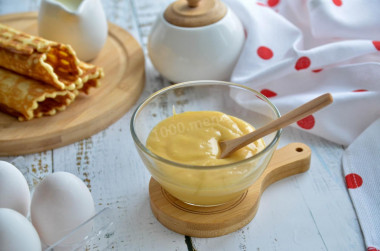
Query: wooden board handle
287, 161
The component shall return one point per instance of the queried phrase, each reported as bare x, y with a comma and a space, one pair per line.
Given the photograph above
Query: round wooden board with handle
123, 62
220, 220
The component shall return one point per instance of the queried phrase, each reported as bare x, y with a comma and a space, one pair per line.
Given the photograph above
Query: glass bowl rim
141, 146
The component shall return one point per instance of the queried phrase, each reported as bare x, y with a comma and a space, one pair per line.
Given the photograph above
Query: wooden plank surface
310, 211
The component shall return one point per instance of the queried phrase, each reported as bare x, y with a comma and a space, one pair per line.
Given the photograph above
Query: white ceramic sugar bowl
196, 40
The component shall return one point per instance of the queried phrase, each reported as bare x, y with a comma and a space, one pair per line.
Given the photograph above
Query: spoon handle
304, 110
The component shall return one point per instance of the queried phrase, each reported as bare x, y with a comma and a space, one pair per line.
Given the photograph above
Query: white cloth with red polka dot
361, 160
296, 50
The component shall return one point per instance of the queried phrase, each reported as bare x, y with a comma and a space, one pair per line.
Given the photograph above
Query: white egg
14, 190
17, 233
60, 203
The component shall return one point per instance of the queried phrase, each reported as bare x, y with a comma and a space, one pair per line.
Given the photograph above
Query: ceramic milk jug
80, 23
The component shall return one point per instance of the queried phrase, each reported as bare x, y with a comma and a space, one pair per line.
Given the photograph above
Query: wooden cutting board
123, 62
206, 222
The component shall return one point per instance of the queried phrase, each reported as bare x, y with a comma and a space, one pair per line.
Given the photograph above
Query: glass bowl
204, 185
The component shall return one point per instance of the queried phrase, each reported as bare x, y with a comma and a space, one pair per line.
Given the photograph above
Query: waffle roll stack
26, 98
39, 77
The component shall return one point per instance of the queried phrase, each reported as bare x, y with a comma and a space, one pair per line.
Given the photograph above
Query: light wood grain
195, 13
123, 63
193, 3
227, 218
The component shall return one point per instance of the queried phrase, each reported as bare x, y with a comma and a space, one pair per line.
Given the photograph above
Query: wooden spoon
229, 146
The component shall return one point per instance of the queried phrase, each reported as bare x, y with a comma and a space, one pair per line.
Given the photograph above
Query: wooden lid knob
192, 3
195, 13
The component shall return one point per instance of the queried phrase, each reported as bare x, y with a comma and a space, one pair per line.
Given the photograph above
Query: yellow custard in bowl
192, 138
181, 151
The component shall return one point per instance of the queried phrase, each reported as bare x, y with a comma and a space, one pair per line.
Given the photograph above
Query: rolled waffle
26, 98
40, 77
89, 77
51, 62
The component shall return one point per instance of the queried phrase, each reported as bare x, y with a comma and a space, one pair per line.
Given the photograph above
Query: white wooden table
310, 211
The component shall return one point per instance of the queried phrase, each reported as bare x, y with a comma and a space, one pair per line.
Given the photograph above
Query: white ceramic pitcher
80, 23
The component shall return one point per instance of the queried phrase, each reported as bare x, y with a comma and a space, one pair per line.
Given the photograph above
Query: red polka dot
317, 70
245, 33
268, 93
307, 122
372, 249
376, 44
302, 63
264, 52
337, 2
273, 3
262, 4
353, 180
360, 90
